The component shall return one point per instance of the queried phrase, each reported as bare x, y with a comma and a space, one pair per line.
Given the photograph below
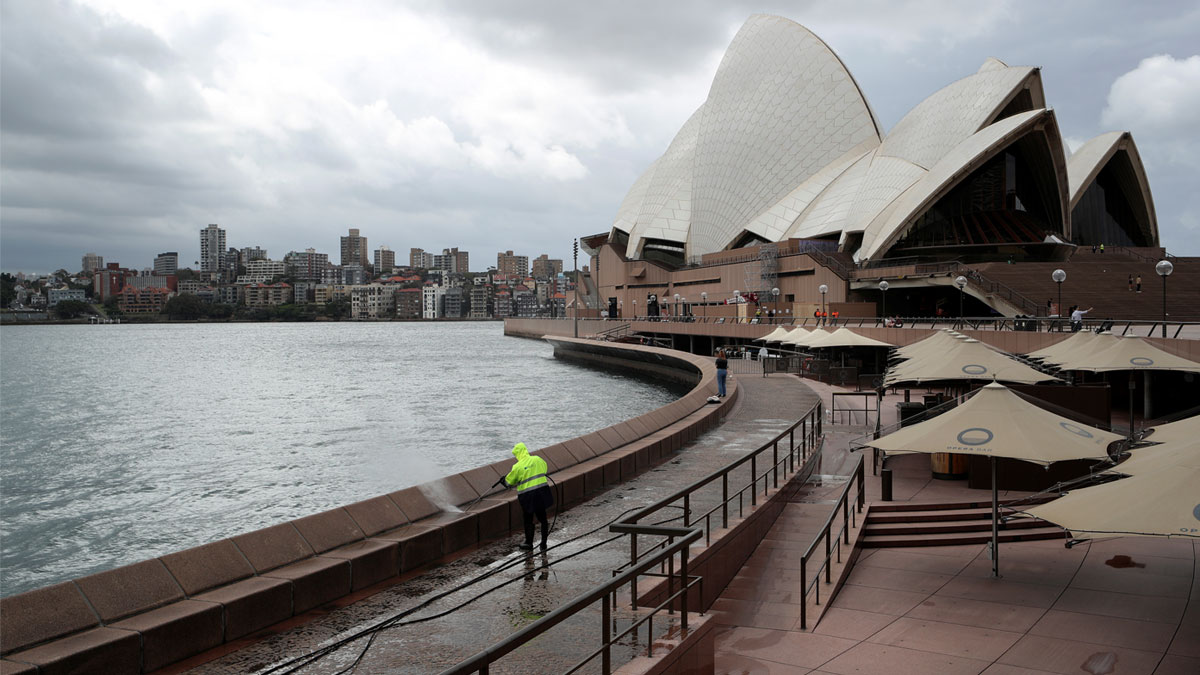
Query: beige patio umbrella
1165, 455
1182, 430
1128, 353
1080, 343
844, 337
993, 423
1164, 502
776, 335
937, 340
963, 360
806, 340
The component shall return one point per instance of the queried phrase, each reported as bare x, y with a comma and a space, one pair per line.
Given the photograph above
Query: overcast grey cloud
128, 125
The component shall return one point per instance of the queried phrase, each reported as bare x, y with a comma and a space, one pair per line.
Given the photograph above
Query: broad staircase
903, 524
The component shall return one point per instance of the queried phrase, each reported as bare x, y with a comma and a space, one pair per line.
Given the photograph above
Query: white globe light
960, 282
823, 289
1059, 276
1164, 268
883, 285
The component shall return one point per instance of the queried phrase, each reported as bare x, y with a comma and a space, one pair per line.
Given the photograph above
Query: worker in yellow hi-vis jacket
528, 475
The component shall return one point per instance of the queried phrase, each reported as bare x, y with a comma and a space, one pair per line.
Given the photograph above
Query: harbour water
121, 443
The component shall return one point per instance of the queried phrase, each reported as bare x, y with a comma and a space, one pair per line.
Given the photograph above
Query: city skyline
511, 126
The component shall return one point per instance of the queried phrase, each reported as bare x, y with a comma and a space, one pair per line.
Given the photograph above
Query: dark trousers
528, 518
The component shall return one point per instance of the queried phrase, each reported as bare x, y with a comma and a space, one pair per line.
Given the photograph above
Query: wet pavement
1118, 605
519, 588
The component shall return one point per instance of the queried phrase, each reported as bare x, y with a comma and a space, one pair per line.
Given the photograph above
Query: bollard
885, 485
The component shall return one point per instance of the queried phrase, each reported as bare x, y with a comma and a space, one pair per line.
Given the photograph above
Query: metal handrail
849, 520
481, 661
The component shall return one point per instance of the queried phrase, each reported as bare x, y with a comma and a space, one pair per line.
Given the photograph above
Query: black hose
394, 621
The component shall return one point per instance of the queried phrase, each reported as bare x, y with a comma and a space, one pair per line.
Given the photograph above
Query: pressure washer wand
477, 499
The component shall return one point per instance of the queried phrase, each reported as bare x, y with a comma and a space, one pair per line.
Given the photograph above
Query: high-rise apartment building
166, 263
249, 253
307, 265
545, 267
212, 248
354, 249
92, 262
431, 301
461, 260
512, 264
385, 260
419, 259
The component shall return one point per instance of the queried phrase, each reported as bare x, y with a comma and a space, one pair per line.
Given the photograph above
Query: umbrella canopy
1183, 430
1083, 342
806, 340
1159, 503
953, 359
794, 334
844, 337
938, 339
1178, 446
995, 422
776, 335
1127, 353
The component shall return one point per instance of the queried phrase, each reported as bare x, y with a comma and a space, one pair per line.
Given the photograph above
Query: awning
844, 337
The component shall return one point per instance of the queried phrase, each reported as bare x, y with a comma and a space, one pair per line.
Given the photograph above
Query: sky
127, 126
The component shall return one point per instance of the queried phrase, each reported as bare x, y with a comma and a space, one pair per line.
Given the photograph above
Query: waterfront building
302, 292
545, 267
230, 265
263, 271
419, 259
92, 262
373, 301
166, 263
354, 250
151, 300
509, 263
502, 304
452, 302
228, 294
432, 301
785, 164
170, 282
109, 281
248, 254
306, 265
385, 260
267, 295
408, 303
525, 302
351, 275
212, 249
481, 301
57, 295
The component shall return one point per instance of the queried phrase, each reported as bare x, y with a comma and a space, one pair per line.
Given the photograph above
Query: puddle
1100, 663
1122, 561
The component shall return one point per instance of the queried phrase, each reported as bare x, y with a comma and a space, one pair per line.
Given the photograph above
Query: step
960, 538
977, 525
934, 515
890, 507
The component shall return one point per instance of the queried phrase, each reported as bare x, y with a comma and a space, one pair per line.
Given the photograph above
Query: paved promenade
766, 407
1124, 605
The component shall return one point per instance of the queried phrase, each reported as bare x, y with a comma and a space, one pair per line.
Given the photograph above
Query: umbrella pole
995, 525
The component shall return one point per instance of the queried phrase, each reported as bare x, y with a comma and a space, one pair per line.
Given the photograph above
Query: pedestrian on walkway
1138, 283
722, 372
1077, 318
528, 475
1131, 282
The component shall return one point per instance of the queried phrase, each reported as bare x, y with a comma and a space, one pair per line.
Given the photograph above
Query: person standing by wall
722, 372
528, 475
1138, 283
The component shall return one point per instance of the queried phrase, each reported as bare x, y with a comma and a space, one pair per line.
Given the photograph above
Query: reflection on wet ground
522, 588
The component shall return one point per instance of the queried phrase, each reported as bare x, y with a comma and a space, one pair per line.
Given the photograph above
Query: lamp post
1164, 269
961, 282
620, 305
676, 312
737, 306
1059, 276
704, 304
635, 310
823, 290
775, 302
576, 258
883, 286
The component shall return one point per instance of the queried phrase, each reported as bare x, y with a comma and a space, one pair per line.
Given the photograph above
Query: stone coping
150, 614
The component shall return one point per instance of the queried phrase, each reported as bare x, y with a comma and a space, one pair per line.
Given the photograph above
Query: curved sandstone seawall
147, 615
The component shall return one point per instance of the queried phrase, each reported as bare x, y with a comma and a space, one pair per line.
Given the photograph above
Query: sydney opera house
784, 179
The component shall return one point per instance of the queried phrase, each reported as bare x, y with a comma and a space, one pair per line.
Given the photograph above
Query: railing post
792, 440
633, 555
846, 518
804, 592
683, 572
754, 479
670, 577
775, 462
861, 495
725, 500
828, 551
606, 635
803, 439
687, 509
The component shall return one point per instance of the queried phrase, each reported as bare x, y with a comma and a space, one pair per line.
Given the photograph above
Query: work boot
527, 546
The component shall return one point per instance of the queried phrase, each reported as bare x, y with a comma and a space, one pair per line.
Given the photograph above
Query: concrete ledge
156, 612
177, 631
694, 653
251, 604
14, 668
315, 581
